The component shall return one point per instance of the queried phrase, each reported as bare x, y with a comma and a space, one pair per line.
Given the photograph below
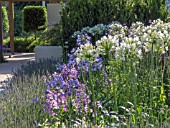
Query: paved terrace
13, 63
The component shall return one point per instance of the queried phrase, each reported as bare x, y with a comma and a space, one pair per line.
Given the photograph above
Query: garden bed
116, 76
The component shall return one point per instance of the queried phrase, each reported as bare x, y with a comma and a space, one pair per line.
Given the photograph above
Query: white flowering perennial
85, 53
104, 46
117, 29
131, 43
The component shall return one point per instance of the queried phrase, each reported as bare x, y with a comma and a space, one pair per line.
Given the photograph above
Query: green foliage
18, 15
28, 42
21, 43
52, 37
18, 22
35, 18
157, 9
5, 21
77, 14
21, 5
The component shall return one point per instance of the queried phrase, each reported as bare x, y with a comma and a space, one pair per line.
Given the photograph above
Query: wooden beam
11, 26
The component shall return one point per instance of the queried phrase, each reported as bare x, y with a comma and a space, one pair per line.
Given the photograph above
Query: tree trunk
1, 36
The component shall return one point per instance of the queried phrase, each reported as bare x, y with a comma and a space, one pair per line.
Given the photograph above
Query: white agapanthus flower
123, 42
86, 52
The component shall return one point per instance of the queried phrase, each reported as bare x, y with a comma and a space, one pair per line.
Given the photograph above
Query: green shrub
35, 18
18, 22
21, 43
34, 43
5, 21
27, 43
20, 5
77, 14
18, 15
53, 36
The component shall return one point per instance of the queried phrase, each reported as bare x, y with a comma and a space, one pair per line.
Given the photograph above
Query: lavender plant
22, 100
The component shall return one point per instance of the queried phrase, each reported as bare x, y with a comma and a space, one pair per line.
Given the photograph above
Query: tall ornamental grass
121, 80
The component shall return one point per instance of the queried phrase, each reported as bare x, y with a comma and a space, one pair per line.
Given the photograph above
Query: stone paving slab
13, 63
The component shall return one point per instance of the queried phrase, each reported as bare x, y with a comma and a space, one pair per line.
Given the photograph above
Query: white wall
53, 14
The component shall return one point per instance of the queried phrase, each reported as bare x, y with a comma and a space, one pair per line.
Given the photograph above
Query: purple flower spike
35, 100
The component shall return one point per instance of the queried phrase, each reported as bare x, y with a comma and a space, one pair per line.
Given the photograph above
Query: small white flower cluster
106, 44
118, 29
123, 42
85, 53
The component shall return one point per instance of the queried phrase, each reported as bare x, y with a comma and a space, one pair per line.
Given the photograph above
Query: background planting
35, 18
77, 14
5, 21
18, 14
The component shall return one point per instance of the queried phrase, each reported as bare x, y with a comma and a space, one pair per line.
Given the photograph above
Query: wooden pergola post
11, 25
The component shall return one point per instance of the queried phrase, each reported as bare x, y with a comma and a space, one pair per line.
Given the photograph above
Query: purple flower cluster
3, 48
107, 81
81, 101
64, 91
84, 66
56, 99
35, 100
61, 87
83, 39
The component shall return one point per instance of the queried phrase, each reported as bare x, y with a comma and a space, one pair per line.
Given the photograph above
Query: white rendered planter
48, 52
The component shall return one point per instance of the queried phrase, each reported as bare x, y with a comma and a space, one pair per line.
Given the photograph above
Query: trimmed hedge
5, 21
35, 18
18, 15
